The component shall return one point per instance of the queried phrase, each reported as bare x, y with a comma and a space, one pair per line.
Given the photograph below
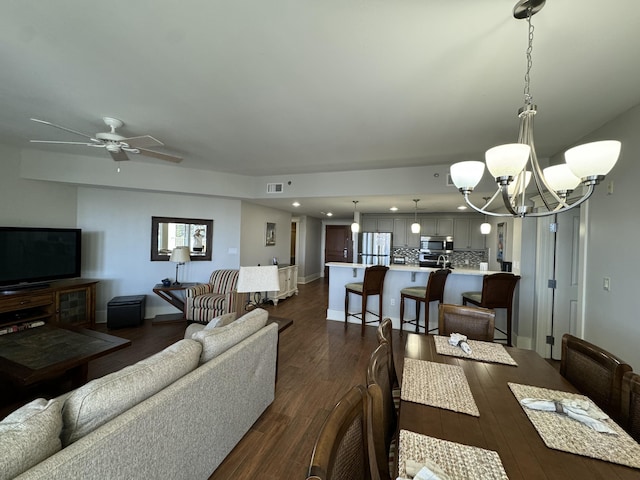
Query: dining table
500, 423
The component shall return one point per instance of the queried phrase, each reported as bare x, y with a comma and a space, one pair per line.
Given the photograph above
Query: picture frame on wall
501, 232
270, 235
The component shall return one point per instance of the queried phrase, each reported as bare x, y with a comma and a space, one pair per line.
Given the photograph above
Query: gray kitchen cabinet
476, 239
466, 234
369, 224
385, 224
441, 226
399, 237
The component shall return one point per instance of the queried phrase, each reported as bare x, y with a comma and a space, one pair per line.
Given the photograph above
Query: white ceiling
261, 87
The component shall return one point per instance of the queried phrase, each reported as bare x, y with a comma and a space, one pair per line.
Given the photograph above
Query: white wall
311, 266
116, 227
253, 250
611, 318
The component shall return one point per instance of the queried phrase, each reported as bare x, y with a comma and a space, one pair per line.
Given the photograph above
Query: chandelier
513, 165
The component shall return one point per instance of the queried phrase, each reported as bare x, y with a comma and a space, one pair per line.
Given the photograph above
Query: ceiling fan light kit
513, 165
117, 145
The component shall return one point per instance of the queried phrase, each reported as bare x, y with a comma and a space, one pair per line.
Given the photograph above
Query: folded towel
428, 470
459, 340
579, 410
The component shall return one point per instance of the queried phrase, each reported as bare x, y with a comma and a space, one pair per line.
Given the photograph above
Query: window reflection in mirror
168, 233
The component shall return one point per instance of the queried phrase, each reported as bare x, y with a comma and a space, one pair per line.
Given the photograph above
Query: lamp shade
591, 159
466, 174
180, 255
415, 227
507, 160
560, 178
258, 279
485, 228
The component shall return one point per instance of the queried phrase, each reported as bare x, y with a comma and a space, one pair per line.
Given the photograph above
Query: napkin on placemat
459, 340
579, 410
424, 471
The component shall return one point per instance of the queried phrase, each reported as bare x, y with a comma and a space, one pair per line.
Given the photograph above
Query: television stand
64, 302
23, 286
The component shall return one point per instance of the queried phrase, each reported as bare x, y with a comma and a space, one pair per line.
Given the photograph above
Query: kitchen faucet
444, 258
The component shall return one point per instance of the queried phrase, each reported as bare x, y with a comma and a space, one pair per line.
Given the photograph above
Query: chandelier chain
528, 99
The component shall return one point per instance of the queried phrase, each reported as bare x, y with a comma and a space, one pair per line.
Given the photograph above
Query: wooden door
338, 245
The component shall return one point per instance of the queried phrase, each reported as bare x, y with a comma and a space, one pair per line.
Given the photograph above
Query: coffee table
46, 352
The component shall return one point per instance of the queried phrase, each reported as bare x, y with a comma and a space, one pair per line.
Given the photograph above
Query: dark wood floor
318, 362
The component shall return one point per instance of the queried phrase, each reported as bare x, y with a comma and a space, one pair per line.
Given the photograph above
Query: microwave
436, 244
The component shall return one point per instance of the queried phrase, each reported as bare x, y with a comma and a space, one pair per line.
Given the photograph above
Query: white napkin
579, 410
424, 471
459, 340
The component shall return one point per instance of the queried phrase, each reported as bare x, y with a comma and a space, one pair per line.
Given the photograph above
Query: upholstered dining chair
209, 300
595, 372
630, 405
433, 292
497, 292
372, 284
341, 450
474, 322
383, 417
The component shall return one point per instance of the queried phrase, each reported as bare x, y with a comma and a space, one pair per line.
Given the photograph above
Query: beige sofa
217, 385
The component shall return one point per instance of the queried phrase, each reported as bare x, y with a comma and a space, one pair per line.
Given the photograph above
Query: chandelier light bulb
593, 159
466, 175
507, 160
560, 178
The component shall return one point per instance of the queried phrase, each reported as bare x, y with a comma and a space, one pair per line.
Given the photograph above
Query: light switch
606, 284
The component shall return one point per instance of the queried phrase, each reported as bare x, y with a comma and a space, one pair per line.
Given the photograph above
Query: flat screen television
31, 256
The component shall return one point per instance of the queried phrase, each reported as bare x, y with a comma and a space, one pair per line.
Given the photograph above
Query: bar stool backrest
497, 290
374, 279
435, 285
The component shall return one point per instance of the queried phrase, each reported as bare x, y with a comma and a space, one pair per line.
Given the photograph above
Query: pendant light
355, 226
485, 228
415, 226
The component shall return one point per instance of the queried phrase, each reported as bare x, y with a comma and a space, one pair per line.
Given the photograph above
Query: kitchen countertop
415, 268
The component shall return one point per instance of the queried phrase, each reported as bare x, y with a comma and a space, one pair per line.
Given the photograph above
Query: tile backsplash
459, 258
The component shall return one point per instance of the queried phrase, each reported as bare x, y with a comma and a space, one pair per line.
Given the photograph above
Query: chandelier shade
415, 226
466, 175
514, 165
355, 226
593, 159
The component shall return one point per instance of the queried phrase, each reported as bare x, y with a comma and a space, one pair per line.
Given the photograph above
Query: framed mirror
170, 232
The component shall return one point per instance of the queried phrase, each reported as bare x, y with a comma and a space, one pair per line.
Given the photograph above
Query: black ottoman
127, 311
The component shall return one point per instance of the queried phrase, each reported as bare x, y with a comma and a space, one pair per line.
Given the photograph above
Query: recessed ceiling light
329, 214
462, 207
296, 204
394, 209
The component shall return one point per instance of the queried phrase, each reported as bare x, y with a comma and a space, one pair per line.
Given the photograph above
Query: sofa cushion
29, 435
220, 321
103, 399
218, 340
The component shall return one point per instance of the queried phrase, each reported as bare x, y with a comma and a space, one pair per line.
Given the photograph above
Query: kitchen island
397, 278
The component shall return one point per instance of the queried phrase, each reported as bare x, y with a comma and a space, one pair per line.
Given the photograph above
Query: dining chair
475, 322
432, 292
341, 450
385, 335
383, 417
630, 405
372, 284
497, 292
595, 372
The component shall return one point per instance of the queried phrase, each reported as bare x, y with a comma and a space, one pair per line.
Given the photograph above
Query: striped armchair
209, 300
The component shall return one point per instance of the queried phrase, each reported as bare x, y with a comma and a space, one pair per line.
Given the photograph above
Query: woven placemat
437, 385
459, 461
562, 433
482, 351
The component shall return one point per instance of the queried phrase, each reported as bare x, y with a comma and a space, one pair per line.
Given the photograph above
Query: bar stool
497, 292
372, 285
434, 291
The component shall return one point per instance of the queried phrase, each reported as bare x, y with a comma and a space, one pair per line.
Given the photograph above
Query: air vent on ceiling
449, 181
275, 187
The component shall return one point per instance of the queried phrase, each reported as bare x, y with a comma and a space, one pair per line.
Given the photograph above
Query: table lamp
179, 255
257, 280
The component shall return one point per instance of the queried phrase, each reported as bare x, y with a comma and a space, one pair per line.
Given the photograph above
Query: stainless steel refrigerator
375, 248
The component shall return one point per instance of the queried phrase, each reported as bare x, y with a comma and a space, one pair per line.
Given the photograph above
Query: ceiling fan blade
65, 129
67, 143
142, 141
118, 156
159, 155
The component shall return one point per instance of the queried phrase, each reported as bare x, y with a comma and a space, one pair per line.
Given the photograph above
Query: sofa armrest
198, 290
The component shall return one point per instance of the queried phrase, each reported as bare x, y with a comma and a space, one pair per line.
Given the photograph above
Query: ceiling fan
117, 145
